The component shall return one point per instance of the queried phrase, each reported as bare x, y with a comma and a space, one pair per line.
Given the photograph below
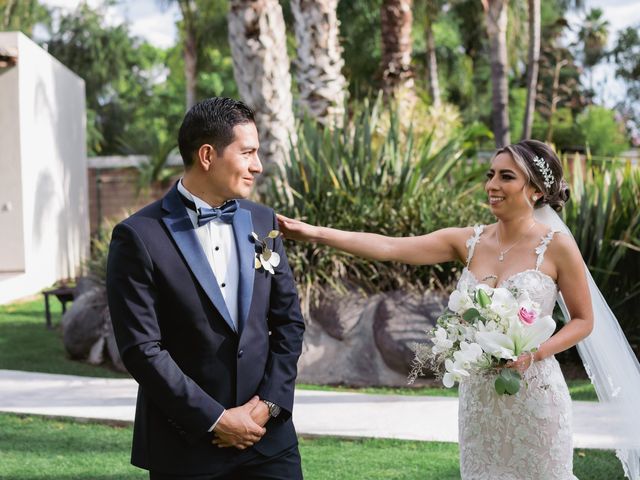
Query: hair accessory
545, 171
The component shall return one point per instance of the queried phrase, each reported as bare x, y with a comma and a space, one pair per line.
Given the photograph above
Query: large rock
365, 341
400, 321
87, 332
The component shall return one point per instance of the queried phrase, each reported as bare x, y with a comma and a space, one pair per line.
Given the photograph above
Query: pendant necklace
504, 252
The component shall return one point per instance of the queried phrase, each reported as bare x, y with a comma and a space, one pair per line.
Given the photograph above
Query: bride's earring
534, 198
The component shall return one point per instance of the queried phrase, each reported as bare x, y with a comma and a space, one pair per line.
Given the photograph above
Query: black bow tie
205, 215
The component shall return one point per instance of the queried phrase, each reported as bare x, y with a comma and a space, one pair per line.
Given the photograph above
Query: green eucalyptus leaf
510, 381
266, 254
257, 263
471, 315
500, 385
274, 234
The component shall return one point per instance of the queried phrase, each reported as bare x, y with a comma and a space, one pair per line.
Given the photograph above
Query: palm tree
432, 61
496, 20
261, 69
532, 67
593, 34
396, 19
189, 30
319, 61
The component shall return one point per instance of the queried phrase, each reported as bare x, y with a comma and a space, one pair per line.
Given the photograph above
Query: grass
36, 448
25, 344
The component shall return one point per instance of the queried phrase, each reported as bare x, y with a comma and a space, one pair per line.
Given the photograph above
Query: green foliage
22, 15
385, 181
604, 217
116, 68
602, 132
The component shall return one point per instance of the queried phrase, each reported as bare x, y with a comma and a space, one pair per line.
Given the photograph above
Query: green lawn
25, 344
37, 448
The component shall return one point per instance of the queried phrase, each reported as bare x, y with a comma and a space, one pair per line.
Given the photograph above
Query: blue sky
154, 21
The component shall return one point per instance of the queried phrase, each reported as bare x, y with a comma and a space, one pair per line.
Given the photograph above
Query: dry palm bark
396, 19
496, 19
319, 60
261, 69
532, 67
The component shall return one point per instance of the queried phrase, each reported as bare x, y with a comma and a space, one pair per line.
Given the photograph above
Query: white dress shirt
219, 245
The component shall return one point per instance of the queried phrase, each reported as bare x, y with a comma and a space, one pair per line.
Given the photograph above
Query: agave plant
379, 179
604, 216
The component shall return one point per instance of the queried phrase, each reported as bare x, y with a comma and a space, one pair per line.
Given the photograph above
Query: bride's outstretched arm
439, 246
573, 285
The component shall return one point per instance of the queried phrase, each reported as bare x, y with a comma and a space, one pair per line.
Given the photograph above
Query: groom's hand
237, 428
260, 414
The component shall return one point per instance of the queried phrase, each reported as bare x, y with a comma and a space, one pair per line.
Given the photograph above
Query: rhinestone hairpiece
545, 171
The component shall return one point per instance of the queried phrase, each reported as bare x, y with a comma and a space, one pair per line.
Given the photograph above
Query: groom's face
233, 170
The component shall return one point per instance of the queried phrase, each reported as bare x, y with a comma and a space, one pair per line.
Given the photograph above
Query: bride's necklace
504, 252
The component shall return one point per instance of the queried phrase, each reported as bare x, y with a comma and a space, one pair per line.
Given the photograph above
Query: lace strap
544, 243
473, 241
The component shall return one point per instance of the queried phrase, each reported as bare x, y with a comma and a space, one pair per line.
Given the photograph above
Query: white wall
49, 126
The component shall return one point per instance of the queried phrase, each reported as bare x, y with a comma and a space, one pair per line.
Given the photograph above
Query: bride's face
507, 187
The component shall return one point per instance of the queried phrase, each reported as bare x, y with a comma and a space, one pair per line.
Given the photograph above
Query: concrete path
316, 412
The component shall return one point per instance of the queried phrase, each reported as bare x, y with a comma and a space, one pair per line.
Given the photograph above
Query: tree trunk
190, 68
432, 62
189, 51
261, 69
319, 60
396, 20
496, 18
532, 68
555, 98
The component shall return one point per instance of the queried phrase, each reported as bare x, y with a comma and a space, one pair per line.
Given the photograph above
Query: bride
527, 435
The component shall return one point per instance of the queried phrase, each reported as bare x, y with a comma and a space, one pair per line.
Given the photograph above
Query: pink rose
528, 317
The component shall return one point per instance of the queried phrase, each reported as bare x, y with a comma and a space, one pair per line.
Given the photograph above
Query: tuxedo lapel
181, 229
242, 228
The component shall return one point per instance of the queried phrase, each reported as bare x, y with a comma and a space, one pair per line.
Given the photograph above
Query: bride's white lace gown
526, 436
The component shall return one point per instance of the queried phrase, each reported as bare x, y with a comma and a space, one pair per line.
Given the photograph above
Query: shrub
385, 181
603, 133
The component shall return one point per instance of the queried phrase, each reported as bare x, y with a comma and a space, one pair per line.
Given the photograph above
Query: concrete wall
42, 120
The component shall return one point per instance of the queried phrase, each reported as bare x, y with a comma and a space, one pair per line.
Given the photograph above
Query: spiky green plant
383, 180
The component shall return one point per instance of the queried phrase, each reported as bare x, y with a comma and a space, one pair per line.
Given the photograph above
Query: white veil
611, 365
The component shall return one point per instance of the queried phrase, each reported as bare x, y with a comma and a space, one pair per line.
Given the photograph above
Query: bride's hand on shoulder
296, 230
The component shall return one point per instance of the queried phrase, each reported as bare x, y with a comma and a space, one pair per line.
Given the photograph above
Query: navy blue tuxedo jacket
178, 341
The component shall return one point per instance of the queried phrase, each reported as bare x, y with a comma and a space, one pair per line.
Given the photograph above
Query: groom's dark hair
211, 121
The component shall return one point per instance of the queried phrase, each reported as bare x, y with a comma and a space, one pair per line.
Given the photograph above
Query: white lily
455, 372
503, 302
459, 302
469, 353
441, 341
519, 338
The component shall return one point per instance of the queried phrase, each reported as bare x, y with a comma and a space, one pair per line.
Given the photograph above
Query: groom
211, 335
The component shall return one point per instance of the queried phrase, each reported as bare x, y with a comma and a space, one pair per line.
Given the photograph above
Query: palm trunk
190, 54
261, 69
396, 20
319, 60
496, 18
532, 69
555, 98
189, 51
432, 62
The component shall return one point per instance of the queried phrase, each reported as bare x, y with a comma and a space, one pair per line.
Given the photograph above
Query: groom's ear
205, 156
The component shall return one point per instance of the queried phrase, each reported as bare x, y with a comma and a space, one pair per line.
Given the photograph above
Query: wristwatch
274, 410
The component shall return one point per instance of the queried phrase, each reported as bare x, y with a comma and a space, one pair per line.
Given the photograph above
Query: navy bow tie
205, 215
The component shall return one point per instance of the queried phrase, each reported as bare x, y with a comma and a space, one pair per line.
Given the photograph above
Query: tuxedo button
217, 248
240, 353
223, 285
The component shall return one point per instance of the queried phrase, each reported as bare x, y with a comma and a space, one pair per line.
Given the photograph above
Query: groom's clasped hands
243, 426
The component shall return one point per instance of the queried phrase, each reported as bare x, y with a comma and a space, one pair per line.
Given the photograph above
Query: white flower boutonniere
265, 257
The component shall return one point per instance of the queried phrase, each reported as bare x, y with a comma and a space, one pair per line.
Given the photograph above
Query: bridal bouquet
480, 331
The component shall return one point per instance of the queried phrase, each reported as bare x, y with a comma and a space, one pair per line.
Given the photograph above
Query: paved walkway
316, 412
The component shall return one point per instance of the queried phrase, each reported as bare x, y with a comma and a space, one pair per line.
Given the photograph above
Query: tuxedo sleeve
132, 298
285, 342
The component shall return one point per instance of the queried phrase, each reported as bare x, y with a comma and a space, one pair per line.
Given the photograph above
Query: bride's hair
546, 176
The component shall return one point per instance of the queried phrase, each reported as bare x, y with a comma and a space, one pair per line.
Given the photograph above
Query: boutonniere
265, 257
